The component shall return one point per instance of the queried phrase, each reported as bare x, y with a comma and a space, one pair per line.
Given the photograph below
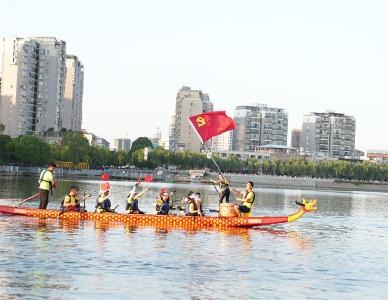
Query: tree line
34, 151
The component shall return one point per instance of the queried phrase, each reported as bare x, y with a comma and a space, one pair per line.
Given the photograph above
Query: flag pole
206, 149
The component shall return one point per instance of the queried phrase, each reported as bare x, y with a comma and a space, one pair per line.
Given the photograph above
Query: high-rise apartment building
33, 86
172, 134
222, 142
259, 125
328, 134
122, 144
295, 138
188, 103
74, 85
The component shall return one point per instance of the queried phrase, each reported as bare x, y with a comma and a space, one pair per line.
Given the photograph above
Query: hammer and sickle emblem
200, 121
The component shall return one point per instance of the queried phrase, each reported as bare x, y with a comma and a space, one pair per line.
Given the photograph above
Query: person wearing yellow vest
72, 202
247, 198
46, 183
133, 201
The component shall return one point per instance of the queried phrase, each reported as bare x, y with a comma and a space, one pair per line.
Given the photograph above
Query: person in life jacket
103, 203
71, 202
46, 184
162, 198
198, 199
247, 199
104, 186
159, 200
191, 206
165, 207
223, 184
133, 202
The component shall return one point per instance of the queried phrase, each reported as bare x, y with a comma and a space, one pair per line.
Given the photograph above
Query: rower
46, 184
103, 203
223, 184
165, 207
198, 199
191, 206
159, 200
72, 202
133, 202
248, 198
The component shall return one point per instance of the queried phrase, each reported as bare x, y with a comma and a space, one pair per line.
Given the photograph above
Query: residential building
258, 125
95, 140
33, 81
328, 134
74, 86
172, 134
156, 138
188, 103
122, 144
295, 138
242, 154
222, 142
378, 155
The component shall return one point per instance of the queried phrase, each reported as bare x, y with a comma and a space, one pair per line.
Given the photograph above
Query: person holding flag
223, 184
208, 125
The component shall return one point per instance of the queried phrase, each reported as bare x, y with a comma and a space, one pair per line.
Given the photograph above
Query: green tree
74, 147
5, 156
31, 150
121, 158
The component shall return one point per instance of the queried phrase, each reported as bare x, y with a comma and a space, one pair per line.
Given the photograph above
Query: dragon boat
169, 220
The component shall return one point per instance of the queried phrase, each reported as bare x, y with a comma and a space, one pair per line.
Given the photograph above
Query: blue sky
300, 55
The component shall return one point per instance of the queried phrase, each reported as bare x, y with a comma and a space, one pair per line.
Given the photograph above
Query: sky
300, 55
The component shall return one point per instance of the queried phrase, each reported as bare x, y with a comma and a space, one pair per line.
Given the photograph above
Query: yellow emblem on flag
200, 121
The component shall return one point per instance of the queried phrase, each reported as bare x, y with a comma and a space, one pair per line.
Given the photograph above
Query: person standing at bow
46, 184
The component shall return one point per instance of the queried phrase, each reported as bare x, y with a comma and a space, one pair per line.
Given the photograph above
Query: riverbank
177, 176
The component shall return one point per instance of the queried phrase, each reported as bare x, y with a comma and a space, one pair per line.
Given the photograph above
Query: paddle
28, 199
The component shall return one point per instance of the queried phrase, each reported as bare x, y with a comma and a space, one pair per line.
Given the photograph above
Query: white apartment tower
188, 103
328, 134
122, 144
33, 81
259, 125
74, 85
222, 142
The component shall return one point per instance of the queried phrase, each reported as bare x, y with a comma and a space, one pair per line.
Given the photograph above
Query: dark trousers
225, 193
44, 198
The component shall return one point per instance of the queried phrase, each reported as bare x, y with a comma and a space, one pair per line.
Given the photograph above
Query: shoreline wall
168, 176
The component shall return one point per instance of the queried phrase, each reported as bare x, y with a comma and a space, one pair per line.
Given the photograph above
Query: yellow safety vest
248, 202
45, 179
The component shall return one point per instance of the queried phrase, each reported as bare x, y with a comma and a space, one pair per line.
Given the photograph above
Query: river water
340, 252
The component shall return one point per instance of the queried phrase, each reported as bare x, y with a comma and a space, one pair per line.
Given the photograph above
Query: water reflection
345, 240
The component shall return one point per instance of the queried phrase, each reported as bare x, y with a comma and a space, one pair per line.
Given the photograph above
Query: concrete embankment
237, 179
308, 183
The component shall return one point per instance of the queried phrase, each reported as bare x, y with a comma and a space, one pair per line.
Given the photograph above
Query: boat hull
147, 220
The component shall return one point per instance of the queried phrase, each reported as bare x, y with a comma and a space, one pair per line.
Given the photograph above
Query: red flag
148, 178
105, 177
211, 124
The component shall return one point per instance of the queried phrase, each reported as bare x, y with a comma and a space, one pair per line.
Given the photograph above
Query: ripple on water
338, 253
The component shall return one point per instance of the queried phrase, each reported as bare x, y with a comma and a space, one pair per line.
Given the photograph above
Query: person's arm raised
141, 193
